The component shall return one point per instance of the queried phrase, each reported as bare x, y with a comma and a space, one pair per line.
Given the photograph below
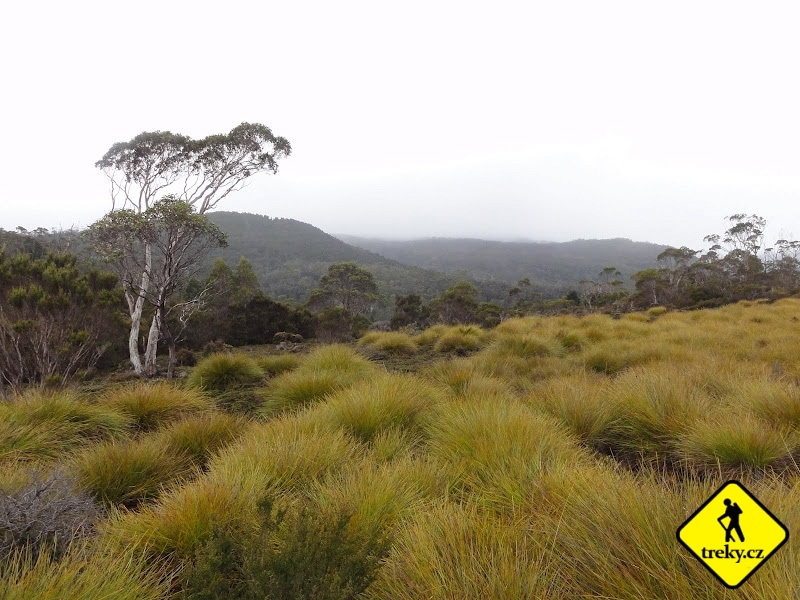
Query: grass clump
275, 364
389, 401
581, 403
498, 450
393, 343
324, 371
200, 436
153, 404
652, 409
224, 371
431, 335
462, 551
656, 311
83, 419
461, 339
732, 442
84, 573
129, 473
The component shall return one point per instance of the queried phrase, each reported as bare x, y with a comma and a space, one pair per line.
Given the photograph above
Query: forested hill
289, 257
546, 264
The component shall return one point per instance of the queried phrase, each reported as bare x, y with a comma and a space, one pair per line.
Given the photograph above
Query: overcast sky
536, 120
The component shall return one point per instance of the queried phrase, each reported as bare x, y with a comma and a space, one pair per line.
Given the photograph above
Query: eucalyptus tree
198, 174
177, 238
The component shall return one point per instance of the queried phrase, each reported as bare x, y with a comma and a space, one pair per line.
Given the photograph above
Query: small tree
346, 285
457, 304
199, 173
177, 239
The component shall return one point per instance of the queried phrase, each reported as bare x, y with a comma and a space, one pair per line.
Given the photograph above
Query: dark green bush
305, 555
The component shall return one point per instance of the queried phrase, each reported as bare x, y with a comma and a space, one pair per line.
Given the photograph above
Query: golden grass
556, 461
393, 343
154, 404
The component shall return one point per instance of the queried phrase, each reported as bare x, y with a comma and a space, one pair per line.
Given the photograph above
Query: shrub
225, 371
302, 554
154, 404
46, 515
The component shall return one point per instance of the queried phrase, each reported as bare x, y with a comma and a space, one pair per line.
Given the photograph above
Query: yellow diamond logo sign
732, 534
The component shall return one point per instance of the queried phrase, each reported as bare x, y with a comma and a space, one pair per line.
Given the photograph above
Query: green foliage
410, 311
55, 318
308, 554
457, 305
348, 286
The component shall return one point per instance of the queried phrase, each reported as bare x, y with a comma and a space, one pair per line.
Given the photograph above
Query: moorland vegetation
547, 457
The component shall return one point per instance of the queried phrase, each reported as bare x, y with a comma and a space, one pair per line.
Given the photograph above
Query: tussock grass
526, 346
774, 401
734, 441
225, 371
275, 364
431, 335
180, 521
324, 371
154, 404
200, 436
84, 574
613, 356
42, 427
462, 551
614, 535
389, 401
393, 343
85, 420
281, 455
652, 409
461, 339
498, 450
581, 402
129, 473
656, 311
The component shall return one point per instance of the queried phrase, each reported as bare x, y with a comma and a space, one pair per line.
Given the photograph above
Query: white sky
539, 120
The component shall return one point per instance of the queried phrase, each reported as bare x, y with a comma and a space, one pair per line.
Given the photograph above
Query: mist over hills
547, 264
289, 258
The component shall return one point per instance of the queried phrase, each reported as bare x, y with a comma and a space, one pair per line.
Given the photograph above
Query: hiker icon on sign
732, 512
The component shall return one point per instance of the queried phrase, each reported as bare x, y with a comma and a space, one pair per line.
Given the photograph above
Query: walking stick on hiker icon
732, 511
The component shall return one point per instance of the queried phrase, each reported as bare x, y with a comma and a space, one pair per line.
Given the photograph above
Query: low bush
306, 553
46, 515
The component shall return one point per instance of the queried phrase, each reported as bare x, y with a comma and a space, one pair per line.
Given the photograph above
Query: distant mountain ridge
544, 263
